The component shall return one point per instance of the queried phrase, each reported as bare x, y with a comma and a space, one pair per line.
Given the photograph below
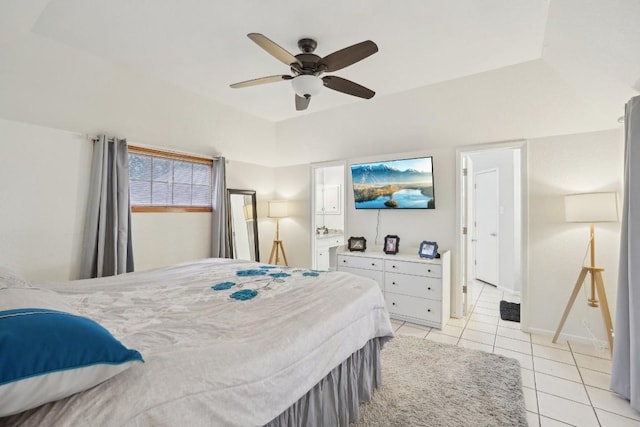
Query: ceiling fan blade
274, 49
260, 81
347, 86
302, 103
349, 55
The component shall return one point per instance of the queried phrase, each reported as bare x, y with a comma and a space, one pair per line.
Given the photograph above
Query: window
162, 181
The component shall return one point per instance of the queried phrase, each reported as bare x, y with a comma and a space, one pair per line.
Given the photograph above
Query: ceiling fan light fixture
307, 85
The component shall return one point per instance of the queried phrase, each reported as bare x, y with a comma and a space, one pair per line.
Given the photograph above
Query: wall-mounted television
394, 184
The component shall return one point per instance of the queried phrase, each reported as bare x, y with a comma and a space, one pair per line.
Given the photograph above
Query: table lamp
248, 212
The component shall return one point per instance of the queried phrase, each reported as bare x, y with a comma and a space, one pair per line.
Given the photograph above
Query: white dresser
415, 289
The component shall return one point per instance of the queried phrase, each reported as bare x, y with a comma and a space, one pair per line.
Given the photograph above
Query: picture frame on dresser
391, 244
357, 244
428, 250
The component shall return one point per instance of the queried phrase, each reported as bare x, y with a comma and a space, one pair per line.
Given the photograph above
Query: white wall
49, 84
293, 183
412, 226
558, 166
165, 238
526, 100
44, 176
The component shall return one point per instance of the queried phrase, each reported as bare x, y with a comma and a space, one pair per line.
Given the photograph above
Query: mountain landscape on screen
394, 184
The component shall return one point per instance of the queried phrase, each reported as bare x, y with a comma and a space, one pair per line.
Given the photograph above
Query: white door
331, 199
322, 259
486, 226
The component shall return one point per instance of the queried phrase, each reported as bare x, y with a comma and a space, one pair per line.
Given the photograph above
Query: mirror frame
256, 242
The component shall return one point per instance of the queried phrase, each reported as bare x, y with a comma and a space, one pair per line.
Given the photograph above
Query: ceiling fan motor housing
307, 45
309, 64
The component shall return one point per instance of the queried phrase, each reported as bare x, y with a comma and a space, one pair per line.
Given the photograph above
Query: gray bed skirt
335, 400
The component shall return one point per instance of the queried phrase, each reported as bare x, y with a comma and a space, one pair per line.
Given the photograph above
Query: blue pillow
47, 355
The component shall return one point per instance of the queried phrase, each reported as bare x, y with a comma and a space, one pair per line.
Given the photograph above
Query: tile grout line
584, 385
533, 366
535, 380
495, 336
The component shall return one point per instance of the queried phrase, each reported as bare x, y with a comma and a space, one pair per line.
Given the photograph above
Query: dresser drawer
415, 268
329, 242
419, 308
371, 274
360, 262
418, 286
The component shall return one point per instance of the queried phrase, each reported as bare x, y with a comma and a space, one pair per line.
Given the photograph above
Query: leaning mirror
243, 224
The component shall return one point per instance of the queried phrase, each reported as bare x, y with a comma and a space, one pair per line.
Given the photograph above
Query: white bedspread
213, 360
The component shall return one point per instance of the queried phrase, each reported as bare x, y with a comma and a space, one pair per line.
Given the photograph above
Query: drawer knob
429, 288
429, 270
393, 283
344, 260
373, 264
393, 303
393, 266
428, 310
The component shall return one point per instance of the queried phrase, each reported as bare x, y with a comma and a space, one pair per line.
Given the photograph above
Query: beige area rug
425, 383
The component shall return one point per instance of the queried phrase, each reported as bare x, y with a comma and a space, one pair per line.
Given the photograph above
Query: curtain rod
214, 156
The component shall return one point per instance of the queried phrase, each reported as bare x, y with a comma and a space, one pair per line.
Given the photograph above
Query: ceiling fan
307, 68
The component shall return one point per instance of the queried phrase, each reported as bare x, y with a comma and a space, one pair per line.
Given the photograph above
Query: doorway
327, 213
491, 211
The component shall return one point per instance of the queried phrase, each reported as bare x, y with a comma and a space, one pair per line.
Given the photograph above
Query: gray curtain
220, 230
107, 248
625, 371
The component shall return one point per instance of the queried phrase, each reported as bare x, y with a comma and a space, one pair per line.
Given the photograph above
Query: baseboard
511, 292
568, 337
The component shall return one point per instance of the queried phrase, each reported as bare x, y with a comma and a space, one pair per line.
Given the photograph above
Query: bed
224, 342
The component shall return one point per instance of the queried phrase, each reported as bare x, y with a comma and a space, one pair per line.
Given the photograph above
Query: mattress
225, 342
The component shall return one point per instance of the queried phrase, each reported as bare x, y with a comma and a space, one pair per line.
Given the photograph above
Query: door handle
493, 234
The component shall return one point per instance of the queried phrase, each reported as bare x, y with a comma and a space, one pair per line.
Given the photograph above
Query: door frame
475, 216
459, 303
312, 192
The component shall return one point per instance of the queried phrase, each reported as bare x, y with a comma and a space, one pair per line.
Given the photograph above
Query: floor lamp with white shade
278, 209
591, 208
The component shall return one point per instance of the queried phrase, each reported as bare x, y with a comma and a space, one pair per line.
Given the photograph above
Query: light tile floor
564, 383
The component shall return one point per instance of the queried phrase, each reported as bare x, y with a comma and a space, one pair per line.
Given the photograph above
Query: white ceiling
201, 45
573, 62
